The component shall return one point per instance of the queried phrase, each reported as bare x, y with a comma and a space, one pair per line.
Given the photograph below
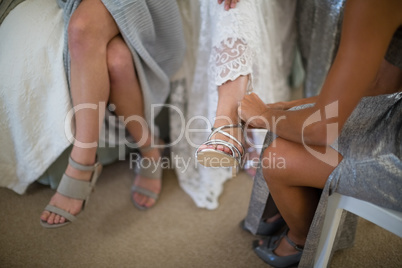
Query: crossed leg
95, 77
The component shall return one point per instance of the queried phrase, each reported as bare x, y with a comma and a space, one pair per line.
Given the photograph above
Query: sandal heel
235, 170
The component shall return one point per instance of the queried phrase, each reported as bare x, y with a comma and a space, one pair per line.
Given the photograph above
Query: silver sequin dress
370, 143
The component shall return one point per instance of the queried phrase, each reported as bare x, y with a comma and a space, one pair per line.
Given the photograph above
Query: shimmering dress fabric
371, 169
319, 23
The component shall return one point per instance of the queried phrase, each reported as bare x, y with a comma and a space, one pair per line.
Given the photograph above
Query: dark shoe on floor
266, 252
266, 229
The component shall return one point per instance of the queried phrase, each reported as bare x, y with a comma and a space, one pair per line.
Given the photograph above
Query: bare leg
295, 186
90, 30
229, 96
126, 95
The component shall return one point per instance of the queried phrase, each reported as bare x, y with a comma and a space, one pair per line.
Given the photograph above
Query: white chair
388, 219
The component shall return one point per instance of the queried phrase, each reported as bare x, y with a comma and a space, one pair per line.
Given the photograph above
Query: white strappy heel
216, 158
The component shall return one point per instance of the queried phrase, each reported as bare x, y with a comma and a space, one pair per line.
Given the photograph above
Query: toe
62, 220
45, 215
202, 147
139, 199
220, 148
50, 219
56, 219
149, 202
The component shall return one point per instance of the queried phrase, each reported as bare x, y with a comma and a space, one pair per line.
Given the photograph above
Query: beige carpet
175, 233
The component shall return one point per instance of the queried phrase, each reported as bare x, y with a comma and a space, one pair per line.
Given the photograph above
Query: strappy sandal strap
220, 130
60, 212
79, 189
235, 152
79, 166
293, 244
143, 191
73, 188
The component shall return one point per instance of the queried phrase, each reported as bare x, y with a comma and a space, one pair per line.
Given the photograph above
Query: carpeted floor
175, 233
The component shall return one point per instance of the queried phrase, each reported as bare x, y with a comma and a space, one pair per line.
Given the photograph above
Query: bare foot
153, 185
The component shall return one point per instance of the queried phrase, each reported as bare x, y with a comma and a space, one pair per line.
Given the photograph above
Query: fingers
228, 3
240, 111
250, 110
233, 4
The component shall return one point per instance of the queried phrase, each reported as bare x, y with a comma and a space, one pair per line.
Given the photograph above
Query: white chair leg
328, 234
388, 219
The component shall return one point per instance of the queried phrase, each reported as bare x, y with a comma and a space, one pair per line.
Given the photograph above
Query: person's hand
228, 3
251, 110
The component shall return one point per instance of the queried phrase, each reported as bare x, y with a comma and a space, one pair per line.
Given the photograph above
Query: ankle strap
79, 166
240, 125
293, 244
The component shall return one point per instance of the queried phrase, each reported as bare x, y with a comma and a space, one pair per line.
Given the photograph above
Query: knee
274, 163
82, 36
268, 164
119, 59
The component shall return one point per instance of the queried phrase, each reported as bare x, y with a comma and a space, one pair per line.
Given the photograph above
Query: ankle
152, 153
233, 120
86, 157
296, 239
286, 248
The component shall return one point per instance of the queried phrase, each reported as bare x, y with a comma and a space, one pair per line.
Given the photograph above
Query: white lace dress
256, 38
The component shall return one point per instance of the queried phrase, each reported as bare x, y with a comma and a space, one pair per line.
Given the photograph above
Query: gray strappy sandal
73, 188
217, 158
266, 251
152, 171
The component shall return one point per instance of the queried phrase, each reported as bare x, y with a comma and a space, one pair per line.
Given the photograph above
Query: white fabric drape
34, 97
256, 39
